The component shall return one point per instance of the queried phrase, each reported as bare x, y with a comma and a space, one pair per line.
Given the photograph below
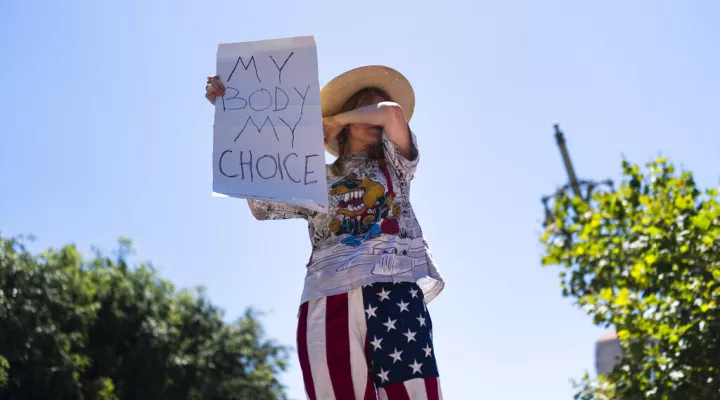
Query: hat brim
334, 95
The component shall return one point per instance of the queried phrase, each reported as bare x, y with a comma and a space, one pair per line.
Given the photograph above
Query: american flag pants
373, 342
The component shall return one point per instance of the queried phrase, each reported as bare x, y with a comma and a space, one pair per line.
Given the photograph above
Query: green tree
645, 259
100, 329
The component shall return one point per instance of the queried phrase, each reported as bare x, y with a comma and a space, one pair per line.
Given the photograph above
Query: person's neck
356, 148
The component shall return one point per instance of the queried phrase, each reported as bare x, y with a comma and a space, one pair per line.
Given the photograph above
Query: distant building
607, 353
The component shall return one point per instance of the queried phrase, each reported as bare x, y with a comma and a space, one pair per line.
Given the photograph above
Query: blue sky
105, 132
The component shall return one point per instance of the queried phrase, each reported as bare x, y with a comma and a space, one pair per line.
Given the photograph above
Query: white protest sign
268, 135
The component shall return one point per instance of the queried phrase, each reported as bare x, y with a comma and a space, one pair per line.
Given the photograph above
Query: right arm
264, 210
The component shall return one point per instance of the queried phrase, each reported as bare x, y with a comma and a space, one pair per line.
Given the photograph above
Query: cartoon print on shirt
365, 209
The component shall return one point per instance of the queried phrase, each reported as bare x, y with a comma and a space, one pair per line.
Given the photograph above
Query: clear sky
105, 132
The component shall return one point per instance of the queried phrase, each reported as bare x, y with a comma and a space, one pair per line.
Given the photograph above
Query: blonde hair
375, 151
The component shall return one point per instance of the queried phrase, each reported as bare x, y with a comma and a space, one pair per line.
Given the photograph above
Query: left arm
387, 114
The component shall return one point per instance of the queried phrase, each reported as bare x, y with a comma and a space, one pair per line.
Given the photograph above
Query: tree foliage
645, 259
99, 329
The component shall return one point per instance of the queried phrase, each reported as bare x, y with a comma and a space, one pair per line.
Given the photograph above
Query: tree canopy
645, 260
100, 329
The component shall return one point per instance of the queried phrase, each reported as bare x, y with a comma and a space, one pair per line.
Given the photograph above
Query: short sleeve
273, 211
403, 167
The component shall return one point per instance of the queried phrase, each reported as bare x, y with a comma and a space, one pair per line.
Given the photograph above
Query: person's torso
370, 232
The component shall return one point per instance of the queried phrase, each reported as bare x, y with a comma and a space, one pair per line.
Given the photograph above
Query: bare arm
387, 114
264, 210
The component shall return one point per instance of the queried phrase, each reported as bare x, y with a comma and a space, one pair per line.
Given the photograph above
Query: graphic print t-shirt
370, 233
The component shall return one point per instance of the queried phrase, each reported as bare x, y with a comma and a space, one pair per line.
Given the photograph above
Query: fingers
214, 88
218, 88
215, 82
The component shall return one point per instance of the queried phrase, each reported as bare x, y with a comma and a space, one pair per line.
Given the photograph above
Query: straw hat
334, 95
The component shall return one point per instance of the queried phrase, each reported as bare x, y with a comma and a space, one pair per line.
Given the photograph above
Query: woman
364, 329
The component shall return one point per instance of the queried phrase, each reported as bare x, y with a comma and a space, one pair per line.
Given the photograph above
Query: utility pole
560, 139
607, 348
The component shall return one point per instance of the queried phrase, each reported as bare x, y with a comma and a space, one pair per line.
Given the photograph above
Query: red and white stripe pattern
414, 389
334, 354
